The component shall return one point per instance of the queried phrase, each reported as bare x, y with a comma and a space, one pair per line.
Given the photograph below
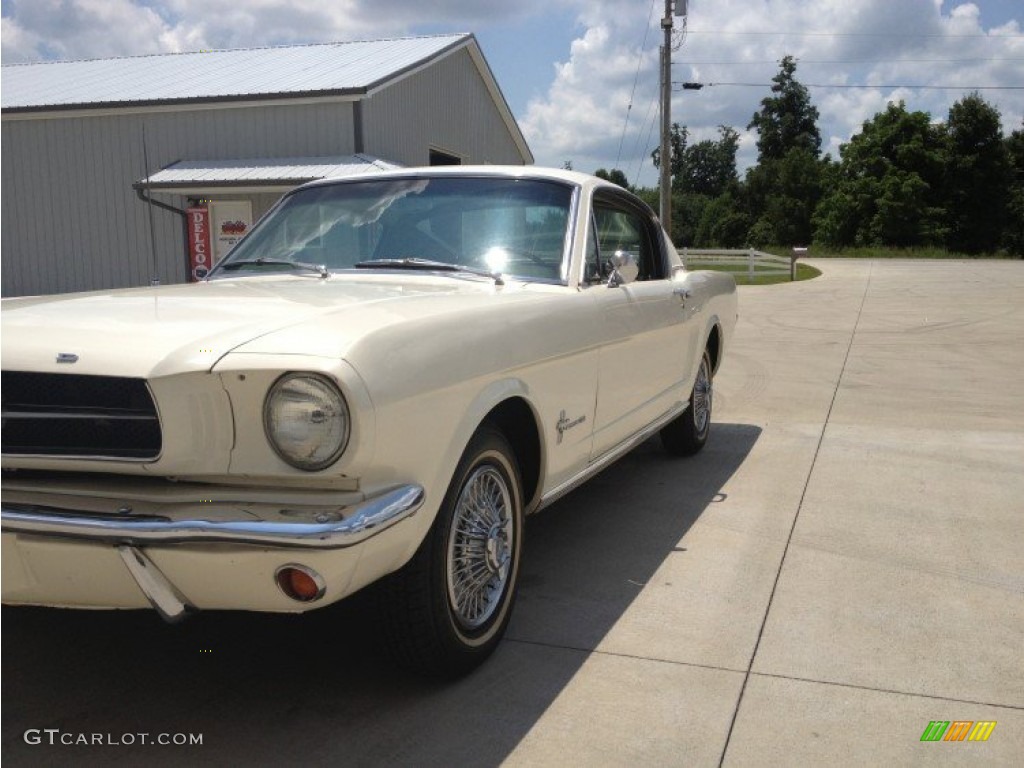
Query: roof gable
322, 69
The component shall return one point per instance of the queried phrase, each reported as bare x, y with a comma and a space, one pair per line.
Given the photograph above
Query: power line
905, 85
642, 150
639, 147
844, 61
636, 79
790, 33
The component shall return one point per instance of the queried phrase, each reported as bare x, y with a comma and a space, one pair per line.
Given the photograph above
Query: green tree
782, 195
615, 176
889, 185
723, 224
977, 176
649, 195
783, 189
705, 168
677, 140
687, 214
709, 167
701, 173
1013, 233
787, 119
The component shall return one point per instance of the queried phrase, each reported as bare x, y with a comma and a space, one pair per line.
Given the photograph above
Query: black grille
53, 414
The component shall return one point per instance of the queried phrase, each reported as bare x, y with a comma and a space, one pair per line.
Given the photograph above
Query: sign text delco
200, 258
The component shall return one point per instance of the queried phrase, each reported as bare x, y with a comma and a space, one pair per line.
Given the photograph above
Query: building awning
256, 176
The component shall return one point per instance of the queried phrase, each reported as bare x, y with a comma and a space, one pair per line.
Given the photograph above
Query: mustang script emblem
66, 357
565, 424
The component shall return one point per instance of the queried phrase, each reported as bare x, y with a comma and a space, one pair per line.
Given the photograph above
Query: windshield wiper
411, 262
319, 268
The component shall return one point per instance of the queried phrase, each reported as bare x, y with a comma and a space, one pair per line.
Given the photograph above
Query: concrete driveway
843, 565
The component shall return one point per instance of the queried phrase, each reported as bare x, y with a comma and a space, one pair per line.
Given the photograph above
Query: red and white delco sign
200, 256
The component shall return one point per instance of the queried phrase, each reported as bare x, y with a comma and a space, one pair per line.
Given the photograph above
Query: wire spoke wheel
688, 433
481, 542
702, 396
447, 609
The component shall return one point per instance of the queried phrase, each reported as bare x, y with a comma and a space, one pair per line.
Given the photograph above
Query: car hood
150, 332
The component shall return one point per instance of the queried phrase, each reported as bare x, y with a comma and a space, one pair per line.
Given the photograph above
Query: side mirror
624, 269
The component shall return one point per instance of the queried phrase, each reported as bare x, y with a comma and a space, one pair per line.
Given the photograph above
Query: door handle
684, 294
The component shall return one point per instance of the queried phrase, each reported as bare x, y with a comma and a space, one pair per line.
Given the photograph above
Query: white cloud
837, 42
581, 105
583, 112
77, 29
18, 43
48, 29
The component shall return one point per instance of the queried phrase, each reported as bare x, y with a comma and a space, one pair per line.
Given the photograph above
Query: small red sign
200, 255
233, 228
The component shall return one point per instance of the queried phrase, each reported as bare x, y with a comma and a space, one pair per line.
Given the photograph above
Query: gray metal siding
71, 220
261, 204
446, 106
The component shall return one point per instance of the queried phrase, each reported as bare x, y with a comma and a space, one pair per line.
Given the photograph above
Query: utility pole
665, 178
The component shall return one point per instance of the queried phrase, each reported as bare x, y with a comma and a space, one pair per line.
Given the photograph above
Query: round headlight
306, 420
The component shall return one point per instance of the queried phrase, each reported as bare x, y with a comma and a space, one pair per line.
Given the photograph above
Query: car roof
478, 171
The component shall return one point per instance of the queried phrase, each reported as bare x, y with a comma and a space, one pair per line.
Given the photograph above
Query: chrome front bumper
360, 522
131, 535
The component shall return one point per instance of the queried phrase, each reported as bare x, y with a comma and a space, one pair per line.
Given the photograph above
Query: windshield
515, 227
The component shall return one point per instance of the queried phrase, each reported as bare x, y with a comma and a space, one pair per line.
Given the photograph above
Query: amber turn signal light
300, 583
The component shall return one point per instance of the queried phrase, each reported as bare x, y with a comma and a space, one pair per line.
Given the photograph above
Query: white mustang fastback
375, 385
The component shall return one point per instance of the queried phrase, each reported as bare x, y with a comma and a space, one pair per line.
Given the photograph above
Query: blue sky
581, 75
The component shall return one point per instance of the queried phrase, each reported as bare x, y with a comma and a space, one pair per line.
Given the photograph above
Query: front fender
483, 405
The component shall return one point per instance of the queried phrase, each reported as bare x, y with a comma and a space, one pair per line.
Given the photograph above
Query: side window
594, 271
622, 228
439, 157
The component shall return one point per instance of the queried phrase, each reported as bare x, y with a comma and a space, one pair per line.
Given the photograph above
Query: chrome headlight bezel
330, 391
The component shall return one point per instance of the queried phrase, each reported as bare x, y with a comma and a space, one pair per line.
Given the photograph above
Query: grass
807, 272
821, 252
803, 272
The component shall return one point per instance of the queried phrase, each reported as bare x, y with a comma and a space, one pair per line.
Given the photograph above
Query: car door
648, 333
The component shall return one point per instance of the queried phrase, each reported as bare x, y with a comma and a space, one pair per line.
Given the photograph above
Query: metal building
87, 144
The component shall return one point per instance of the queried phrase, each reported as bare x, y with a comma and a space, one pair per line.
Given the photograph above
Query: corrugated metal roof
350, 68
261, 173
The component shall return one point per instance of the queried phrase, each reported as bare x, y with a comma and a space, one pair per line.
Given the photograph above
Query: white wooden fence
758, 263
